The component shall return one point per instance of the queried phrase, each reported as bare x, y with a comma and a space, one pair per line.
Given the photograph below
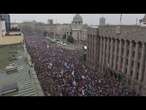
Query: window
127, 52
116, 62
131, 73
139, 55
126, 62
125, 70
118, 48
133, 54
133, 44
137, 75
138, 66
122, 51
132, 64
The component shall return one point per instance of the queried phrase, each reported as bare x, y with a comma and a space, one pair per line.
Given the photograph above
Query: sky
90, 19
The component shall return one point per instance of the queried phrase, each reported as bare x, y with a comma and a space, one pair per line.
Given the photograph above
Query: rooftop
25, 76
7, 40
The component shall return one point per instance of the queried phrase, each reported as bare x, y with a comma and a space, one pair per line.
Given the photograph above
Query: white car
61, 43
64, 43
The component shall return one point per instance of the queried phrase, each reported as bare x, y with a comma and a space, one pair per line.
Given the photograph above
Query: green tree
64, 36
70, 39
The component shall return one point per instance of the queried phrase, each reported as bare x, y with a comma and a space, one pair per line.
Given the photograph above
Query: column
100, 56
107, 52
87, 50
91, 50
115, 55
144, 83
141, 63
111, 52
103, 59
95, 47
103, 62
98, 50
119, 54
124, 57
129, 59
135, 62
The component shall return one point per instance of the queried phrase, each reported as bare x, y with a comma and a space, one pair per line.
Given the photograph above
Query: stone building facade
76, 29
2, 28
6, 18
122, 49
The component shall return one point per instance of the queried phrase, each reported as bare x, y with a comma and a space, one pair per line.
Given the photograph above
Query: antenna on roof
121, 18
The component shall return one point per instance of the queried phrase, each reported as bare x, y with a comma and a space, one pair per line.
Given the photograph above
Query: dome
77, 19
102, 21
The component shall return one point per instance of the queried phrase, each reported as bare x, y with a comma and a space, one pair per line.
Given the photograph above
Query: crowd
61, 73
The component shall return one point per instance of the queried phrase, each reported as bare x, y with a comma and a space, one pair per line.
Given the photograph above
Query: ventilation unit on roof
8, 88
11, 69
118, 31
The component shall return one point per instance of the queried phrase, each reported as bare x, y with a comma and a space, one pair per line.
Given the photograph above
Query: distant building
6, 18
102, 21
77, 19
2, 28
121, 49
50, 21
76, 29
143, 21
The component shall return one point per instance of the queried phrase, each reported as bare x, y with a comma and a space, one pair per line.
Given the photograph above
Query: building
6, 18
50, 21
76, 29
121, 49
77, 19
2, 28
102, 21
17, 74
92, 48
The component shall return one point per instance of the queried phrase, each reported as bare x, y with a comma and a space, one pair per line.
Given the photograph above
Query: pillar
103, 59
115, 55
124, 57
119, 59
135, 63
144, 83
111, 52
129, 60
141, 72
107, 52
141, 63
100, 56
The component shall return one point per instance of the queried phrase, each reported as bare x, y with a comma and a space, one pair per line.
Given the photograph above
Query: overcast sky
91, 19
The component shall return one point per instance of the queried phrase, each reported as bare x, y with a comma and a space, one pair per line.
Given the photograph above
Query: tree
70, 39
64, 36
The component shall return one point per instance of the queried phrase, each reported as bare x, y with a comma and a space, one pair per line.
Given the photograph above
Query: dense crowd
61, 73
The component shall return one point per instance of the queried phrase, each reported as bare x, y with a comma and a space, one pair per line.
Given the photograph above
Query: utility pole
121, 19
